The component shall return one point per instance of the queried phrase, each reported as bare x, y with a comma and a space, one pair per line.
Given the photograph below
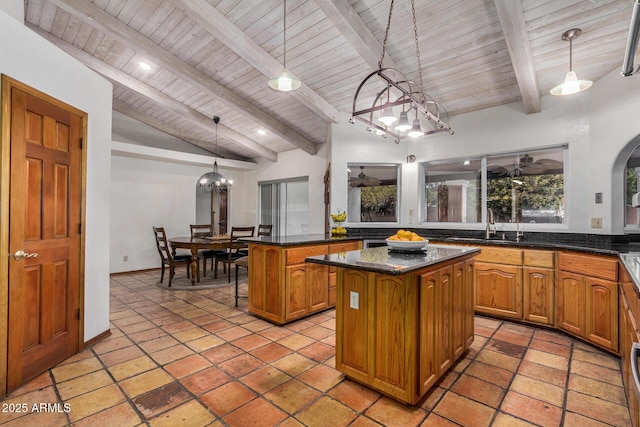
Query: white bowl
407, 245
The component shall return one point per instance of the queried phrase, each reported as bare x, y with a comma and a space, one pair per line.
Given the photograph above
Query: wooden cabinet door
265, 291
318, 287
429, 368
499, 290
444, 350
628, 336
601, 320
469, 289
295, 291
538, 295
393, 323
353, 331
570, 303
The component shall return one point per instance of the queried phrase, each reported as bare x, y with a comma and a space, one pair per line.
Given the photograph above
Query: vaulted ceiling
214, 57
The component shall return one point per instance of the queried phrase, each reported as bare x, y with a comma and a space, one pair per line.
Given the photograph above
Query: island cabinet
516, 283
587, 297
399, 334
283, 287
629, 334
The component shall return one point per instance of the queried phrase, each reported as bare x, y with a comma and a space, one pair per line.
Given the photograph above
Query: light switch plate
354, 300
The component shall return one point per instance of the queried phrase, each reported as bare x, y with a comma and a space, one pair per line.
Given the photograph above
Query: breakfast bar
402, 318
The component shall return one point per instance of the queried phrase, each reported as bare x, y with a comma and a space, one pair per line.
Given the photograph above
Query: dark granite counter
384, 260
298, 240
631, 262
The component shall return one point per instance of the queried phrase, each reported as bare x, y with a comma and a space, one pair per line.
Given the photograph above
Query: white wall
596, 125
32, 60
290, 164
156, 187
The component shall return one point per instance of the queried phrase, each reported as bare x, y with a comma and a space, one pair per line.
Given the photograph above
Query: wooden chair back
162, 244
264, 230
237, 233
200, 230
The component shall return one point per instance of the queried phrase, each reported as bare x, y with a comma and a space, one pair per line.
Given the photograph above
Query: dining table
195, 244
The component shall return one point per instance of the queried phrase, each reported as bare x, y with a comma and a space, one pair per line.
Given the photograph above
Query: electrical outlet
596, 222
354, 300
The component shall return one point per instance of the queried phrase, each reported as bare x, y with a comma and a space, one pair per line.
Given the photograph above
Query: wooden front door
45, 216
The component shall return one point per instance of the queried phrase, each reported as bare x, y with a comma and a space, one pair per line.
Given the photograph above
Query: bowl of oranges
407, 241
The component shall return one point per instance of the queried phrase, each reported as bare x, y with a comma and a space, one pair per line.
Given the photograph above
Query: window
453, 191
632, 176
517, 187
285, 205
373, 193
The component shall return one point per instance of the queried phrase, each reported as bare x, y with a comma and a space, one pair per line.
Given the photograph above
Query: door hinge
79, 228
78, 314
81, 143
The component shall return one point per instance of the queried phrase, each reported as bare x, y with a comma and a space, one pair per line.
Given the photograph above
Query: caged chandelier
393, 90
214, 180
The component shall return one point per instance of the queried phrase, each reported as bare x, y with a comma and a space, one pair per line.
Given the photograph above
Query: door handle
21, 254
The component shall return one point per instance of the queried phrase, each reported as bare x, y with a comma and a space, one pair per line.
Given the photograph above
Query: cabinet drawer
334, 248
298, 254
589, 265
500, 255
535, 258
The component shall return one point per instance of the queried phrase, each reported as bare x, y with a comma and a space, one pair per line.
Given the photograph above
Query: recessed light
261, 132
144, 66
466, 163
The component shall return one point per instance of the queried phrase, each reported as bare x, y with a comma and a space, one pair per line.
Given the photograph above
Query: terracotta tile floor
189, 358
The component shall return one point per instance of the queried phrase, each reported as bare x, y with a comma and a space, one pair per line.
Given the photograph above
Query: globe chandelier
215, 180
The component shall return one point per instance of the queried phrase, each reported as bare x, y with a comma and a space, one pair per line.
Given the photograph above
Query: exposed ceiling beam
353, 28
133, 40
224, 30
149, 120
515, 34
157, 97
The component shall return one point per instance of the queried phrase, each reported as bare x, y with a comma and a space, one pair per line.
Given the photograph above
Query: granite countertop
297, 240
385, 260
631, 262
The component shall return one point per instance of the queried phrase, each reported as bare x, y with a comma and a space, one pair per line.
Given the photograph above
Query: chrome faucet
519, 233
491, 221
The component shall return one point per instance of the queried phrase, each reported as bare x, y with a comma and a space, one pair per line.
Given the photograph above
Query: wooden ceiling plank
515, 34
220, 27
135, 41
162, 126
156, 96
355, 31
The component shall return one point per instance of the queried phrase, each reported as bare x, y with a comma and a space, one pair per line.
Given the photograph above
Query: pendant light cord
284, 59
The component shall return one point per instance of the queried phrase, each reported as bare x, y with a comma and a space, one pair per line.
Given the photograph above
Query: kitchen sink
479, 240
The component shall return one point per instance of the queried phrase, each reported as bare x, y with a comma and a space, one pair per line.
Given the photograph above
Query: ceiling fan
526, 166
363, 180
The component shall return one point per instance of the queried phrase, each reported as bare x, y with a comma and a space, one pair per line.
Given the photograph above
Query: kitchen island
282, 286
402, 319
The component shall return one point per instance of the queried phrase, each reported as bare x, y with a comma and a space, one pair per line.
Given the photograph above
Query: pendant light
214, 180
285, 82
416, 129
571, 84
377, 111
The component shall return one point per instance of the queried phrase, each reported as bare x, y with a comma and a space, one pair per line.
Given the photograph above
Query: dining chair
233, 249
168, 259
264, 230
200, 230
204, 230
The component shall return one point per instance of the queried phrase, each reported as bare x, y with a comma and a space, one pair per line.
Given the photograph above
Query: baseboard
97, 338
